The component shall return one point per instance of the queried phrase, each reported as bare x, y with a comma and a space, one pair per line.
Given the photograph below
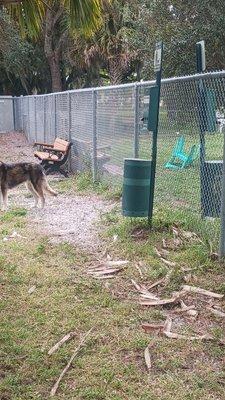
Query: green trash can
136, 186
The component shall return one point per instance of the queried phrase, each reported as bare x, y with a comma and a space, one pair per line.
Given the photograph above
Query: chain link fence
108, 124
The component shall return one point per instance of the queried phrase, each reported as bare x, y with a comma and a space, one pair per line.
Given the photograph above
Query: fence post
28, 119
69, 132
94, 135
55, 114
136, 121
44, 106
35, 119
22, 117
14, 113
222, 215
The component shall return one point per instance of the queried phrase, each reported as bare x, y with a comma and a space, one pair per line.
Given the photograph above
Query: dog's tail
47, 188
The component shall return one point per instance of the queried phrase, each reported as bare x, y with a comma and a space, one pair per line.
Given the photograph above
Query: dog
32, 174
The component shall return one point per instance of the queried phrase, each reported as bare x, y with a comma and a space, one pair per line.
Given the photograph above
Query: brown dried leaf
148, 328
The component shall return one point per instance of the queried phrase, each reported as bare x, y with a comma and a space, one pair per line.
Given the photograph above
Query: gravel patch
74, 219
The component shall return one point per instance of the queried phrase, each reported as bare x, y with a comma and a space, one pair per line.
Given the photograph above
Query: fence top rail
186, 78
6, 97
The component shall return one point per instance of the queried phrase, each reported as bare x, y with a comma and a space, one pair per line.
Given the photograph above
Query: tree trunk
56, 78
115, 71
53, 51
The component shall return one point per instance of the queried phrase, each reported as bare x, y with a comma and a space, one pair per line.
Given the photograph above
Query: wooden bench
83, 150
53, 156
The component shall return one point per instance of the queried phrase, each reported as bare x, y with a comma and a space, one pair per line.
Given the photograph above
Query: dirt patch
15, 148
75, 219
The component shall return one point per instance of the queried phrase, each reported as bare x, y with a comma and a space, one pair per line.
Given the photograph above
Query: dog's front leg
4, 199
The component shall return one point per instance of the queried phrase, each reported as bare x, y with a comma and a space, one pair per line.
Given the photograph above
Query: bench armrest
43, 144
104, 147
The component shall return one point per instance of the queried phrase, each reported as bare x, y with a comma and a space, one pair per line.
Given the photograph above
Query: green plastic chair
180, 160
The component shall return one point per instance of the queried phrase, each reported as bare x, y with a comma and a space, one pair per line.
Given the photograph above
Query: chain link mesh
107, 125
81, 130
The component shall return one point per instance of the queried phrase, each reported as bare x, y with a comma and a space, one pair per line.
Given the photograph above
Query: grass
180, 189
111, 365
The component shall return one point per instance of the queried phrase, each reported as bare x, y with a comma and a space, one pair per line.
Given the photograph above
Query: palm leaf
84, 14
27, 13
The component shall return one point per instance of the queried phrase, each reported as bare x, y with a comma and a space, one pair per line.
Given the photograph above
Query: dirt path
74, 219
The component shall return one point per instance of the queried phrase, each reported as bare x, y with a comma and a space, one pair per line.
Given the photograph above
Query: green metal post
153, 125
200, 66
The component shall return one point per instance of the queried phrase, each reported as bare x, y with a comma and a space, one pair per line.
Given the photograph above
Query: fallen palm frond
198, 290
159, 302
218, 313
147, 358
76, 351
107, 269
65, 339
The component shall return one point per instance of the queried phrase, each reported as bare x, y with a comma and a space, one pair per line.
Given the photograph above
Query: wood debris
162, 255
144, 292
147, 358
139, 270
159, 302
61, 342
13, 235
218, 313
198, 290
32, 289
159, 282
107, 269
189, 310
167, 325
148, 328
168, 263
188, 235
76, 351
149, 295
173, 335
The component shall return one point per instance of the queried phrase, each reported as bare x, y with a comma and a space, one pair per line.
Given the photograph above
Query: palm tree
83, 14
111, 44
47, 17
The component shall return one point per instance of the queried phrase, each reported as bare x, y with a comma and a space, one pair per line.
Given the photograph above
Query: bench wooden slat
53, 156
61, 144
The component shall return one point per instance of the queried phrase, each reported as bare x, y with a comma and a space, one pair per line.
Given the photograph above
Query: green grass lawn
111, 365
178, 189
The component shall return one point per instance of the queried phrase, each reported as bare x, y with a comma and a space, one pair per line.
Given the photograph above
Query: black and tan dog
12, 175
